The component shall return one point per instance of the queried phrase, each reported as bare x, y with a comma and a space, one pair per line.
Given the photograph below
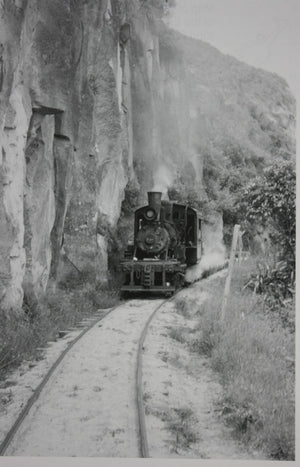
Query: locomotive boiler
167, 240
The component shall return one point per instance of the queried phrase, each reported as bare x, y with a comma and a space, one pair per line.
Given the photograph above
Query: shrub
270, 202
180, 421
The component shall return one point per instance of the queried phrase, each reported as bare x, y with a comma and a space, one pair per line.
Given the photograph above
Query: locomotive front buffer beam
152, 276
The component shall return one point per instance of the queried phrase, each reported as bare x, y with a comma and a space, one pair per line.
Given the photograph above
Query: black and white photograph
148, 232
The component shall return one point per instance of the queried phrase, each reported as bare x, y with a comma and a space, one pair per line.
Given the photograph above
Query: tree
269, 202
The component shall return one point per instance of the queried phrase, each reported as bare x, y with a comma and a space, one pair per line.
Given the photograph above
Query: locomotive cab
193, 241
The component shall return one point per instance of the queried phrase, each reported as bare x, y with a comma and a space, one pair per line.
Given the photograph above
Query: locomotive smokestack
154, 200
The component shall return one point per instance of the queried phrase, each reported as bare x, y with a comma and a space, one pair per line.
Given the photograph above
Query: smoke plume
163, 179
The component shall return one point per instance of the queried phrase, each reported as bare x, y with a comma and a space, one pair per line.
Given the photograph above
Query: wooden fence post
230, 269
240, 246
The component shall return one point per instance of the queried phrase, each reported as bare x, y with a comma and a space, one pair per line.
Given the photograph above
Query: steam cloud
163, 179
213, 259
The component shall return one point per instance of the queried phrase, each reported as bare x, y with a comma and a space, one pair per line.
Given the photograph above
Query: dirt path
89, 407
181, 392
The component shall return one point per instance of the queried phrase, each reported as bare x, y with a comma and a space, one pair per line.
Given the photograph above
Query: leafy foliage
226, 170
269, 203
184, 190
275, 284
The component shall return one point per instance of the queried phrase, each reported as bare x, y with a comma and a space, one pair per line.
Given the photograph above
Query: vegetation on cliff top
243, 120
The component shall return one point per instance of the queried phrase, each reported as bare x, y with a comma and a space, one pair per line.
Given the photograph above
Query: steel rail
144, 447
12, 432
142, 432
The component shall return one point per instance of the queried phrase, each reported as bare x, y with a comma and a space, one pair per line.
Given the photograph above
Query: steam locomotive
167, 240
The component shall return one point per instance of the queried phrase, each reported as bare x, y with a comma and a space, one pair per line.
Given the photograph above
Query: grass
253, 353
179, 333
180, 423
252, 358
24, 334
184, 308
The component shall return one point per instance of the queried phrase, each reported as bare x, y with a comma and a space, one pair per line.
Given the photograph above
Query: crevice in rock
44, 110
1, 67
58, 136
63, 161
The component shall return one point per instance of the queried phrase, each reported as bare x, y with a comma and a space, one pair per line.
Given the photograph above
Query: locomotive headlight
150, 214
168, 284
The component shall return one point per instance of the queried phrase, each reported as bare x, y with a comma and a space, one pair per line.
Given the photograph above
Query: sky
262, 33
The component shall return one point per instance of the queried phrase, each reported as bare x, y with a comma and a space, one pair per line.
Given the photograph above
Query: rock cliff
99, 99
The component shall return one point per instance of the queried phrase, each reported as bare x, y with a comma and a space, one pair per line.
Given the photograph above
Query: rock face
97, 96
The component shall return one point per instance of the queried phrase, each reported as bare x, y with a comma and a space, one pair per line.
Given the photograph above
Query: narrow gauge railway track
139, 417
144, 449
13, 430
